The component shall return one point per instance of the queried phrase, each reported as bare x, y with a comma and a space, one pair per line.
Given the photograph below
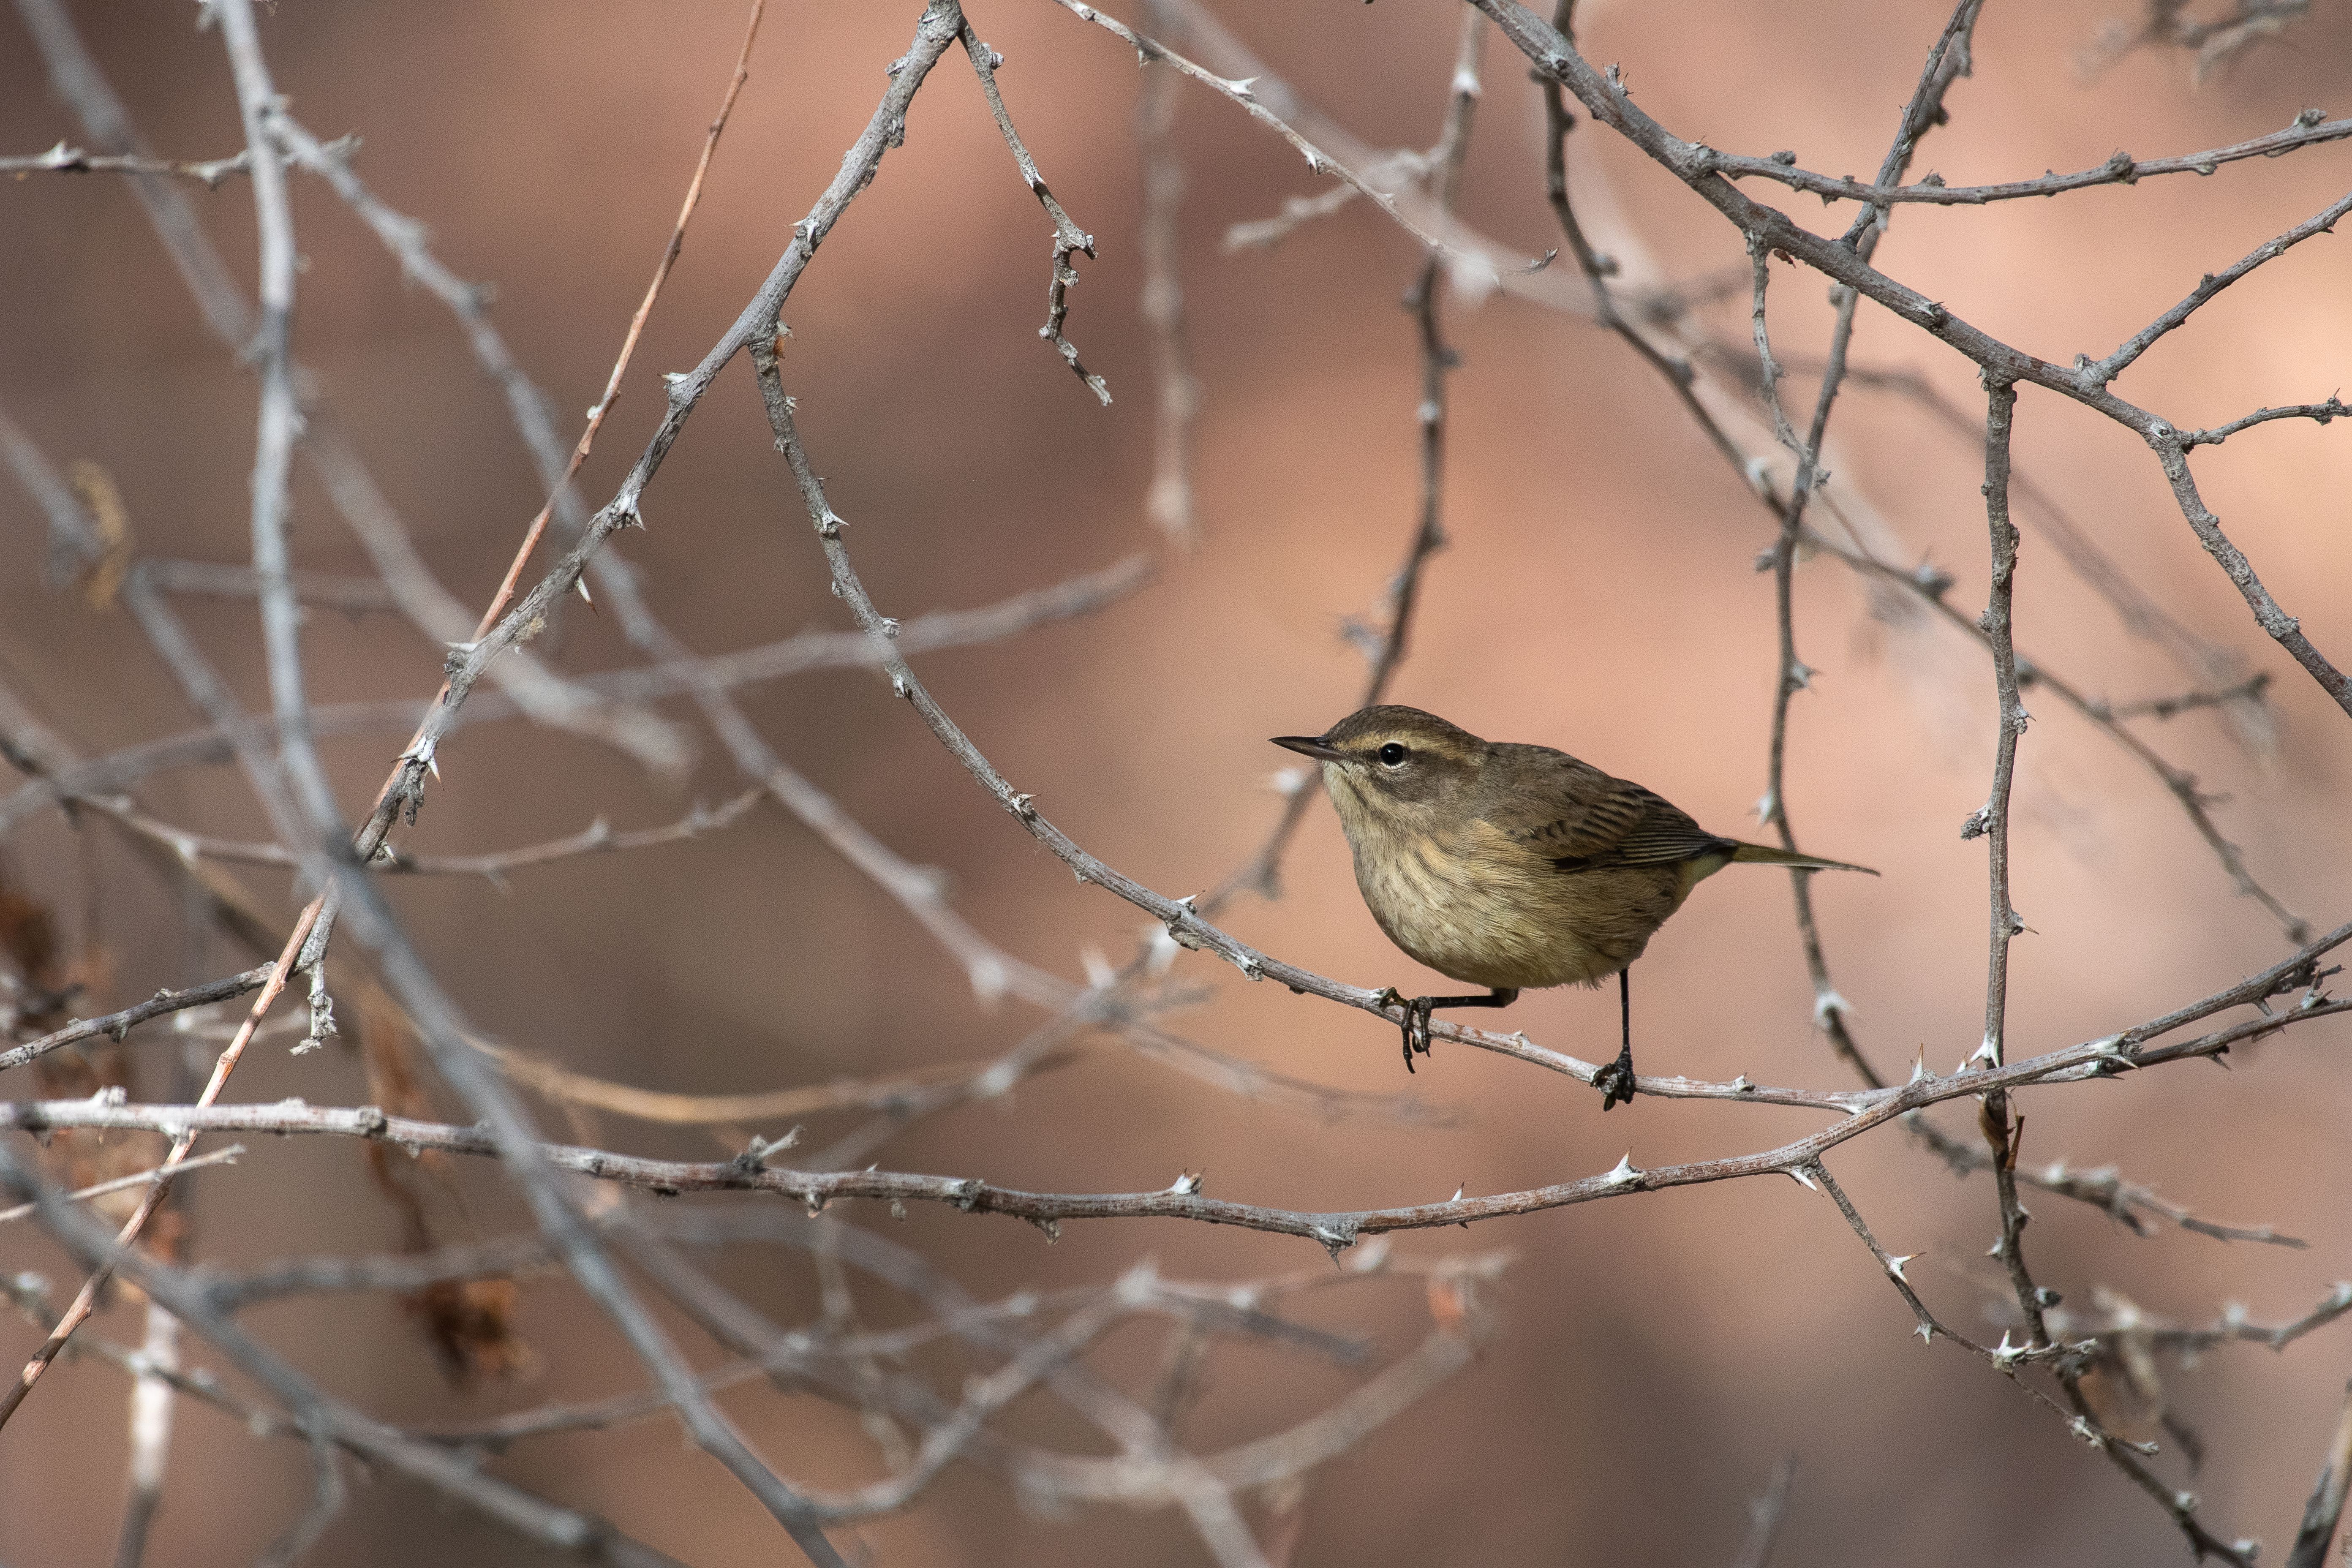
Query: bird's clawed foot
1415, 1025
1615, 1081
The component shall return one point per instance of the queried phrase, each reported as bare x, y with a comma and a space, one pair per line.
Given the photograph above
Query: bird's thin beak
1308, 746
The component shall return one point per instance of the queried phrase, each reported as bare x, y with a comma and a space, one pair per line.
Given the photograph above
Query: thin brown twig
670, 252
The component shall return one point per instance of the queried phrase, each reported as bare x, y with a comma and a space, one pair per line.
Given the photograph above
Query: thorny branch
2086, 383
2136, 1049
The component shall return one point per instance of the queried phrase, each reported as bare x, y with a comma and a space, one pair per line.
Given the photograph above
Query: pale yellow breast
1479, 909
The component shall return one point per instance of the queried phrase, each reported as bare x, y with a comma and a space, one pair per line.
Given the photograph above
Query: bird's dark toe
1615, 1082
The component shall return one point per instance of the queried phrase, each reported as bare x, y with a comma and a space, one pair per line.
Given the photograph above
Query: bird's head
1394, 765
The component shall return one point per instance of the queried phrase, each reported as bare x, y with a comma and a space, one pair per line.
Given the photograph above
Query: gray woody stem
1698, 166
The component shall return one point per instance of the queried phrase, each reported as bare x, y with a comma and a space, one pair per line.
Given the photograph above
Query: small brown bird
1512, 867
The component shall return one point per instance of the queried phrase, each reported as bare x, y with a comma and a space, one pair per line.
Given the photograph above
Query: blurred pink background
1656, 1356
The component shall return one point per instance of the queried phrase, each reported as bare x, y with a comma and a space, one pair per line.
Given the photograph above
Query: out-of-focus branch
1931, 587
1385, 648
2234, 1327
1449, 240
2310, 128
1765, 1516
2317, 1530
141, 1178
64, 160
300, 770
2212, 38
1170, 503
316, 1414
1080, 595
597, 839
220, 580
1946, 62
2129, 1204
884, 130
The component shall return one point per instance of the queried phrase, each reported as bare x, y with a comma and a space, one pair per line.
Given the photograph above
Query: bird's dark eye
1392, 754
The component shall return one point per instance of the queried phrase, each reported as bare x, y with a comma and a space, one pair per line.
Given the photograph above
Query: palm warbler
1512, 867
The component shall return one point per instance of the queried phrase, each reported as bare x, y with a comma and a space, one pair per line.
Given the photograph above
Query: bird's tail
1765, 855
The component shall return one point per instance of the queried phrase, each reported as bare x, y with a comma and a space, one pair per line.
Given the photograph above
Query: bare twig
1990, 823
2129, 1204
1765, 1514
123, 1183
317, 1415
1069, 240
597, 839
1447, 240
604, 403
352, 594
1385, 649
2234, 1327
64, 160
1929, 587
2321, 412
813, 650
1337, 1229
2310, 128
2317, 1530
1771, 229
117, 1024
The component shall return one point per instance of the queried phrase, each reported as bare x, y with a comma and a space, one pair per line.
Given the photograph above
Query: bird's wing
1582, 820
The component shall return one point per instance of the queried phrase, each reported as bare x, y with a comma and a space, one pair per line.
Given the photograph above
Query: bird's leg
1417, 1010
1390, 996
1615, 1081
